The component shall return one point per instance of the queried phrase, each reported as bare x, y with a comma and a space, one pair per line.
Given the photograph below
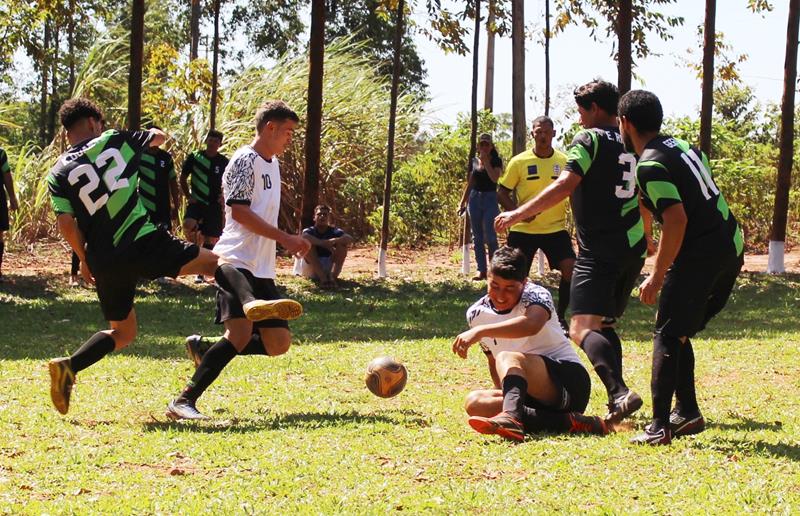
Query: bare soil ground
53, 259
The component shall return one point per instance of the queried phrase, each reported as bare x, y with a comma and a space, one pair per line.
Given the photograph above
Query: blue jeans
483, 209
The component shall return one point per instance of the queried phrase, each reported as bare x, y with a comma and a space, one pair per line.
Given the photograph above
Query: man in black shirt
699, 258
158, 186
600, 180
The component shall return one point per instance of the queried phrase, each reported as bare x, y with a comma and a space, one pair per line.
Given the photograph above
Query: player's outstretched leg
507, 423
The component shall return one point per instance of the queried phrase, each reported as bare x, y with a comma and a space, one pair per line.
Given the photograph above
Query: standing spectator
202, 221
328, 248
158, 186
480, 198
5, 171
527, 174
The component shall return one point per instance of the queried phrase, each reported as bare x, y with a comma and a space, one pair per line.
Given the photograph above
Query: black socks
685, 396
515, 388
616, 345
76, 264
255, 346
604, 359
214, 361
230, 279
98, 346
543, 420
664, 376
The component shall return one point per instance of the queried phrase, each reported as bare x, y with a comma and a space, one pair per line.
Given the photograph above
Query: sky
576, 59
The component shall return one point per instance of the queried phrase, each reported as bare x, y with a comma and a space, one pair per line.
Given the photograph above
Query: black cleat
196, 347
184, 409
686, 424
653, 436
61, 380
623, 407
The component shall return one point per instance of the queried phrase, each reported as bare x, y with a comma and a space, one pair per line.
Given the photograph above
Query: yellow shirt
529, 175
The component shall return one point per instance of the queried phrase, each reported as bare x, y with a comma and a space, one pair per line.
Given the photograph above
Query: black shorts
229, 307
4, 221
556, 246
572, 381
208, 217
694, 291
603, 287
154, 255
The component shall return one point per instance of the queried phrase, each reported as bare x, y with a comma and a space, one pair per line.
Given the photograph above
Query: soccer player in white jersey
251, 186
540, 384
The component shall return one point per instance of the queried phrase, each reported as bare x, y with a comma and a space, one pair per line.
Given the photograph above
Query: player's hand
648, 291
505, 220
463, 341
297, 245
86, 274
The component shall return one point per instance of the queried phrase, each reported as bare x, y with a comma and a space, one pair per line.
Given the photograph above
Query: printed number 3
110, 178
628, 177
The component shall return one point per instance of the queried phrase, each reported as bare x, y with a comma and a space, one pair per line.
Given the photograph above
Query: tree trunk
51, 115
546, 57
624, 56
488, 95
135, 70
473, 127
316, 57
45, 71
780, 213
387, 189
194, 29
707, 103
518, 75
71, 46
215, 74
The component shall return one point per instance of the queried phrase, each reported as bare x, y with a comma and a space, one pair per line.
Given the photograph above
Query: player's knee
472, 403
507, 359
278, 344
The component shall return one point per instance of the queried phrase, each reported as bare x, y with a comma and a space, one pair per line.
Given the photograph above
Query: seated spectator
328, 248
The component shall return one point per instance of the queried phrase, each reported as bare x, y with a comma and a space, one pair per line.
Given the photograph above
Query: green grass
300, 433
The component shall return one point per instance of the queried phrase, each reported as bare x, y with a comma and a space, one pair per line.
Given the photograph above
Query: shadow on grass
748, 424
300, 420
733, 449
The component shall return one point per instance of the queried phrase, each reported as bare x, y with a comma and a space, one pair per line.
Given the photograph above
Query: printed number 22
110, 178
267, 181
628, 177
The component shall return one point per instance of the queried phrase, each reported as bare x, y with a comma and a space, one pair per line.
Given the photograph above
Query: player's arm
673, 228
505, 198
8, 181
556, 192
494, 168
68, 227
295, 244
319, 242
186, 171
342, 238
158, 137
463, 204
522, 326
647, 222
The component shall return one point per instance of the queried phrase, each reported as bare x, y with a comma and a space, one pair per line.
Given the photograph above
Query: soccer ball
386, 377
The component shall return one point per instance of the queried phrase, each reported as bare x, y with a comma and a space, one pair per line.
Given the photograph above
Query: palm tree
314, 112
387, 189
707, 104
624, 56
777, 237
518, 75
135, 70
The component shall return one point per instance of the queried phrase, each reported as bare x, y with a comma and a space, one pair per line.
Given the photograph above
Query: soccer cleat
199, 279
286, 309
502, 424
623, 407
196, 347
61, 380
580, 424
653, 436
184, 409
686, 424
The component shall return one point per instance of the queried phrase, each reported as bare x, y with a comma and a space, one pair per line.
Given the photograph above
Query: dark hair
274, 110
602, 93
642, 109
213, 133
74, 110
322, 207
542, 120
509, 263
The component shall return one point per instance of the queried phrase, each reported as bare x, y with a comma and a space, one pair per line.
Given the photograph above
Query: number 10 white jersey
251, 180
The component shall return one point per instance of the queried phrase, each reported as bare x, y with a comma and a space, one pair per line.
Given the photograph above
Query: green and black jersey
669, 172
156, 169
96, 182
605, 204
206, 174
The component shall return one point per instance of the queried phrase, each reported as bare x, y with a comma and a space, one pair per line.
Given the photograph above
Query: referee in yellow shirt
529, 173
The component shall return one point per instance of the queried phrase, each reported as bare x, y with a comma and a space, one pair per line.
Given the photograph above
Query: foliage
300, 433
272, 28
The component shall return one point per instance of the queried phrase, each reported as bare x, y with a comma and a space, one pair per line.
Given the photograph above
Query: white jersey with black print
550, 341
256, 182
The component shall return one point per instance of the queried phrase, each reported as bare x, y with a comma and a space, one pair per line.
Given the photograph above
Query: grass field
301, 434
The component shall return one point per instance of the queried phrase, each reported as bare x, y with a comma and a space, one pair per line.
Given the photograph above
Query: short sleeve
657, 185
139, 140
538, 296
5, 168
510, 178
581, 152
58, 196
337, 233
309, 231
240, 179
